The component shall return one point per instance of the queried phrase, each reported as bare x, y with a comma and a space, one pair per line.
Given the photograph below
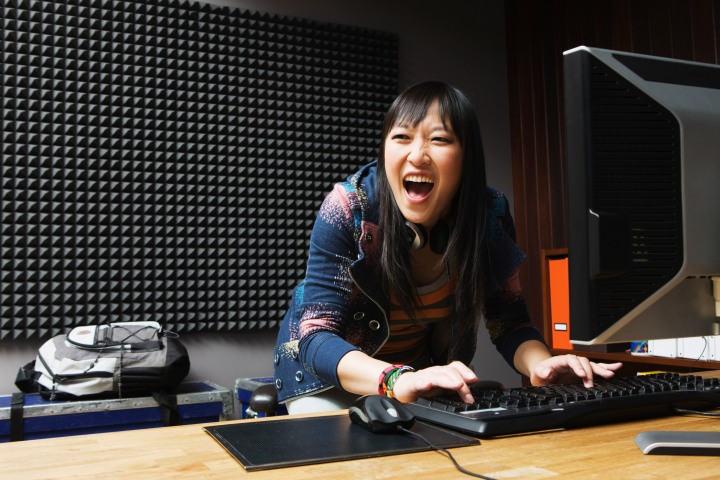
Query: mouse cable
696, 412
446, 452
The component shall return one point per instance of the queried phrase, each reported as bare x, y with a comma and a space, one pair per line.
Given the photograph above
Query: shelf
636, 362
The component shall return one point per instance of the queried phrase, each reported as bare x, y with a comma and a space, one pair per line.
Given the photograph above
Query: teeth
418, 179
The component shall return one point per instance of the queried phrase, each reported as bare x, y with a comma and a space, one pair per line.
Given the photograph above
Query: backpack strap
168, 406
17, 402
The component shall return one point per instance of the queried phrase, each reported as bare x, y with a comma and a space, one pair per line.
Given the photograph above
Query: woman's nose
418, 152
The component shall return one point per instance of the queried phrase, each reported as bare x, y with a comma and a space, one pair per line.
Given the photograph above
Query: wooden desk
604, 452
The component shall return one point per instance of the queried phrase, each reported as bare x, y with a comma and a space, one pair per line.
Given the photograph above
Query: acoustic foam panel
165, 160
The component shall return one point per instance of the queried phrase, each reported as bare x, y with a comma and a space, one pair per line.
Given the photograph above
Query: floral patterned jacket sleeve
506, 314
325, 329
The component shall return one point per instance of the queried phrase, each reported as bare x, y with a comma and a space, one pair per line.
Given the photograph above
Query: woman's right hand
434, 380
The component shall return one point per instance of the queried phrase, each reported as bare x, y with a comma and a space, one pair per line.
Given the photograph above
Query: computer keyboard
532, 409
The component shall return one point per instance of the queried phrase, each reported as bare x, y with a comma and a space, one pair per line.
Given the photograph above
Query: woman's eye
400, 136
441, 139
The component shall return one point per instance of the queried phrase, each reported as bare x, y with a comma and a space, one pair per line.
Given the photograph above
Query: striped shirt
410, 342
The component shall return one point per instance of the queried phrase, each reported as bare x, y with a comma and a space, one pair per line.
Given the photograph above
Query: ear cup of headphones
439, 238
417, 236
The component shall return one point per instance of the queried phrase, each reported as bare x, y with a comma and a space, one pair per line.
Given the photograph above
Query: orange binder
559, 302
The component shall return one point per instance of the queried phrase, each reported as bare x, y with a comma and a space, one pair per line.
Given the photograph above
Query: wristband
382, 382
389, 376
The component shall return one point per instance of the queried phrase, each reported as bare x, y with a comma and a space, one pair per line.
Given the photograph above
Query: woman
405, 258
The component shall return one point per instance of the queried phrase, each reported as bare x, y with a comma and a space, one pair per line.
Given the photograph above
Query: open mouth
418, 186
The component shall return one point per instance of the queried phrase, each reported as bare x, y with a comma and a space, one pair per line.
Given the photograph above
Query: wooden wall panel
537, 34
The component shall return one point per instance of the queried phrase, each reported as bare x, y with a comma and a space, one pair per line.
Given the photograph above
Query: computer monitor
643, 170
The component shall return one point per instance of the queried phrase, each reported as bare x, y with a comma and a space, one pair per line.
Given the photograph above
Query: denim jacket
340, 306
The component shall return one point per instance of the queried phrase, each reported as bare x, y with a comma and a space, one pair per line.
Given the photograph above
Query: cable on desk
696, 412
446, 452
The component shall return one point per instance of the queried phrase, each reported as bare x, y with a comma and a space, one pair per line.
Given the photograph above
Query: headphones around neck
418, 237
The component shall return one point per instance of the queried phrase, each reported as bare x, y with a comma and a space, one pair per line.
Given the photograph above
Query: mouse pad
305, 441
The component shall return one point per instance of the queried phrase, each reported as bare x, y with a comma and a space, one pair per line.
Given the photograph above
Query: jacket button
359, 315
374, 325
368, 237
295, 354
278, 383
299, 376
276, 359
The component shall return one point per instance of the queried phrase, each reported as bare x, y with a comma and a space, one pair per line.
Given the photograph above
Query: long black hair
466, 251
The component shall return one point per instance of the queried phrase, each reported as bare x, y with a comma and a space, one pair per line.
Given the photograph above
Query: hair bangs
412, 108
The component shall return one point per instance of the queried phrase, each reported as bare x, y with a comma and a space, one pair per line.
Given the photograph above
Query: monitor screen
643, 170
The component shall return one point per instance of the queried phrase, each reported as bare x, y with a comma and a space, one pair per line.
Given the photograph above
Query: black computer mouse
380, 414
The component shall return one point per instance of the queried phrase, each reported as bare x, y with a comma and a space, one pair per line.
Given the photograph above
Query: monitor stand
679, 443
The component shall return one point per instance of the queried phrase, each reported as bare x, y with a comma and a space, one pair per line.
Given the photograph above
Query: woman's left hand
568, 368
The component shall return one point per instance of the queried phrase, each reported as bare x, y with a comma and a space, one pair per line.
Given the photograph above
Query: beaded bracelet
389, 376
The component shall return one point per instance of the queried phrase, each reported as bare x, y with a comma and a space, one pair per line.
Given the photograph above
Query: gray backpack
106, 361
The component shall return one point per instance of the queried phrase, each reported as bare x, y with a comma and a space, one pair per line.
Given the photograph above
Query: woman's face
423, 164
